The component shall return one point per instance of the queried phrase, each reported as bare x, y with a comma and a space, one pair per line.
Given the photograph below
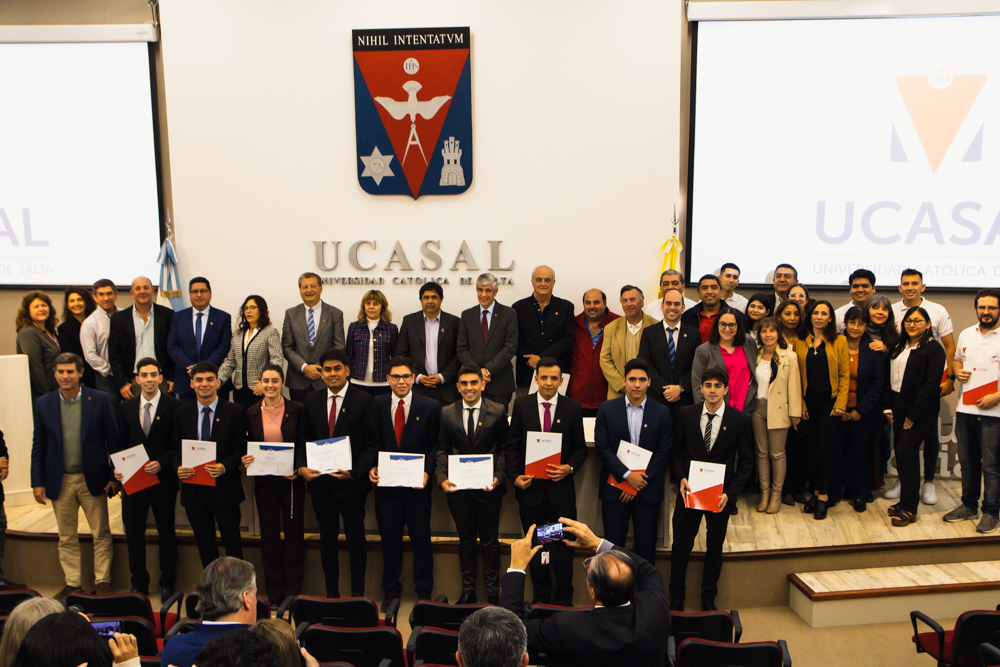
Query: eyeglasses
913, 323
727, 325
397, 378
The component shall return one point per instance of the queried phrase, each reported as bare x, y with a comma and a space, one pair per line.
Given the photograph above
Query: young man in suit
74, 430
712, 433
669, 351
429, 337
198, 333
339, 411
475, 425
544, 327
487, 340
310, 329
621, 339
211, 418
148, 420
408, 423
544, 499
137, 332
633, 419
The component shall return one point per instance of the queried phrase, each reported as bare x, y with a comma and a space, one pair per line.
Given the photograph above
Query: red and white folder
197, 454
706, 481
130, 463
542, 450
982, 383
636, 459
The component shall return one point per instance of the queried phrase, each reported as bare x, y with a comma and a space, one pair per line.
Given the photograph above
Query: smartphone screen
549, 533
106, 628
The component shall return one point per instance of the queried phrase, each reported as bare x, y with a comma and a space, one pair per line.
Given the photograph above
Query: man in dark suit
487, 340
703, 314
712, 433
429, 337
148, 420
74, 430
198, 333
633, 419
544, 327
475, 426
137, 332
310, 329
543, 499
337, 412
410, 424
213, 419
669, 351
630, 621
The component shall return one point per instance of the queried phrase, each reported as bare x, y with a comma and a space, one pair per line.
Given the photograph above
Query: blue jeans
979, 454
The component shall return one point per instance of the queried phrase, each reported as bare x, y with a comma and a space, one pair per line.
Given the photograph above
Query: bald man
136, 333
544, 327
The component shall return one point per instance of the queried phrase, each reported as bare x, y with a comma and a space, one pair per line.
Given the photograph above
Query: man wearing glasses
408, 424
198, 333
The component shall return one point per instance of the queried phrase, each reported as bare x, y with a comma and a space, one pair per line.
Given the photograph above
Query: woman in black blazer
915, 365
78, 304
36, 339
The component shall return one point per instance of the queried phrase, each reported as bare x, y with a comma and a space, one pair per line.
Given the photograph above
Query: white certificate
271, 458
541, 450
398, 469
330, 455
635, 458
470, 471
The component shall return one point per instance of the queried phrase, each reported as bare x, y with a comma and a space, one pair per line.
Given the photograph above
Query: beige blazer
784, 396
613, 357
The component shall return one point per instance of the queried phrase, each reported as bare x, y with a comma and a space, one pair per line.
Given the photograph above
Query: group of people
805, 395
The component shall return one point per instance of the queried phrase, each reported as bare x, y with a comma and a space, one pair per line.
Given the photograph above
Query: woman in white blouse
256, 344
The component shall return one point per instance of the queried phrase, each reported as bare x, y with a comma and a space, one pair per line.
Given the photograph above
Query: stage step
889, 594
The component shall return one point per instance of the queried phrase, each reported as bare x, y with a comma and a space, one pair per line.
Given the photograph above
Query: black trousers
795, 455
857, 438
245, 397
203, 513
908, 450
281, 502
820, 434
299, 395
329, 509
394, 510
686, 524
561, 556
477, 514
135, 510
644, 525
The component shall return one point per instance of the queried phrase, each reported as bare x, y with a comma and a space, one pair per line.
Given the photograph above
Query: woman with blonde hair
24, 615
280, 633
36, 339
371, 342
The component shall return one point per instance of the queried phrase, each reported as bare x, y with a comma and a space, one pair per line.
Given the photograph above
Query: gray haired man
487, 339
492, 637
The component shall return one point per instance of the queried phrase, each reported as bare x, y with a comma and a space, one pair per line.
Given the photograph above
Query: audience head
733, 327
78, 303
22, 617
335, 368
631, 299
63, 639
611, 578
36, 308
492, 637
279, 633
242, 648
487, 287
253, 313
374, 306
200, 292
105, 294
784, 277
228, 591
595, 304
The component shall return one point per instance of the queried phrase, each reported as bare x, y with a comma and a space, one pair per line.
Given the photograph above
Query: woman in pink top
728, 348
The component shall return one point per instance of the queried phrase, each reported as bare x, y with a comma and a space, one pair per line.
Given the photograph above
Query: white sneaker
928, 494
893, 491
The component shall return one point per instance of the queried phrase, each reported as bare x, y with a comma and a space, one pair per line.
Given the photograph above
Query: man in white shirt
669, 279
862, 286
977, 422
729, 277
94, 334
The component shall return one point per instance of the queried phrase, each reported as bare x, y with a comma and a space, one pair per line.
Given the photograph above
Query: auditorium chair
362, 647
191, 607
10, 599
716, 626
541, 611
432, 646
989, 654
128, 604
960, 645
438, 614
145, 635
361, 612
706, 653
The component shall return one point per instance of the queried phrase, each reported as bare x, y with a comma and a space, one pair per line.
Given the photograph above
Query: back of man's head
222, 586
611, 576
492, 637
240, 648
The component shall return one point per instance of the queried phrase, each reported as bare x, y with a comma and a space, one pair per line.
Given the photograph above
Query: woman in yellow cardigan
825, 372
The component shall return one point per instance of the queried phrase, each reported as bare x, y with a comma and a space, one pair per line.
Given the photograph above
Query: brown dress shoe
104, 588
61, 595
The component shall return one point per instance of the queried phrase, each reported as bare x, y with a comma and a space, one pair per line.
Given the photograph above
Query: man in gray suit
487, 339
310, 329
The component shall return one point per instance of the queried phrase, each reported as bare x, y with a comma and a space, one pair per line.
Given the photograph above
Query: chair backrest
362, 647
436, 646
705, 653
191, 607
145, 636
10, 599
429, 613
3, 623
972, 629
336, 612
263, 609
540, 611
113, 604
716, 626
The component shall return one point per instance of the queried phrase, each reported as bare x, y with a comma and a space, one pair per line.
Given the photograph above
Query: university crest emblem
413, 110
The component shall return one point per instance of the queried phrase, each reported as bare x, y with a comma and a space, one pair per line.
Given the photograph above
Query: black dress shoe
144, 591
708, 604
333, 594
820, 512
859, 504
733, 510
166, 592
467, 597
788, 499
8, 585
676, 604
870, 496
810, 505
801, 498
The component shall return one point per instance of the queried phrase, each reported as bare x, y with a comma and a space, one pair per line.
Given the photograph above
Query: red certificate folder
635, 459
197, 454
706, 482
982, 383
130, 463
542, 450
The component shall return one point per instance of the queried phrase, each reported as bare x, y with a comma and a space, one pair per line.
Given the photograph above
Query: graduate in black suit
487, 340
670, 360
339, 411
544, 327
543, 500
703, 436
148, 420
408, 423
212, 418
475, 425
435, 360
122, 347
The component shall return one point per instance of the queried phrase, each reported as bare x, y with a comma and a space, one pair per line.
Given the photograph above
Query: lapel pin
343, 410
157, 418
723, 428
645, 425
558, 420
480, 424
216, 419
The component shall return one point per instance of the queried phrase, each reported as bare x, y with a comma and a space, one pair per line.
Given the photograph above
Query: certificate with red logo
197, 454
982, 383
541, 450
705, 481
130, 463
636, 459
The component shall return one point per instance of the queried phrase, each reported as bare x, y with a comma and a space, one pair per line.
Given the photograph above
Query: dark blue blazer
657, 436
216, 337
183, 648
420, 433
871, 378
98, 435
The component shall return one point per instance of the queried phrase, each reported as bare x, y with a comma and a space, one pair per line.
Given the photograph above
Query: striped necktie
311, 328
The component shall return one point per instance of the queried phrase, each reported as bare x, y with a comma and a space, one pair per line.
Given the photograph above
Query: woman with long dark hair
729, 348
884, 333
759, 306
36, 339
78, 304
256, 344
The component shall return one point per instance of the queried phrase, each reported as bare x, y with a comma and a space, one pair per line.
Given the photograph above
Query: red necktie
399, 422
486, 325
333, 414
547, 424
